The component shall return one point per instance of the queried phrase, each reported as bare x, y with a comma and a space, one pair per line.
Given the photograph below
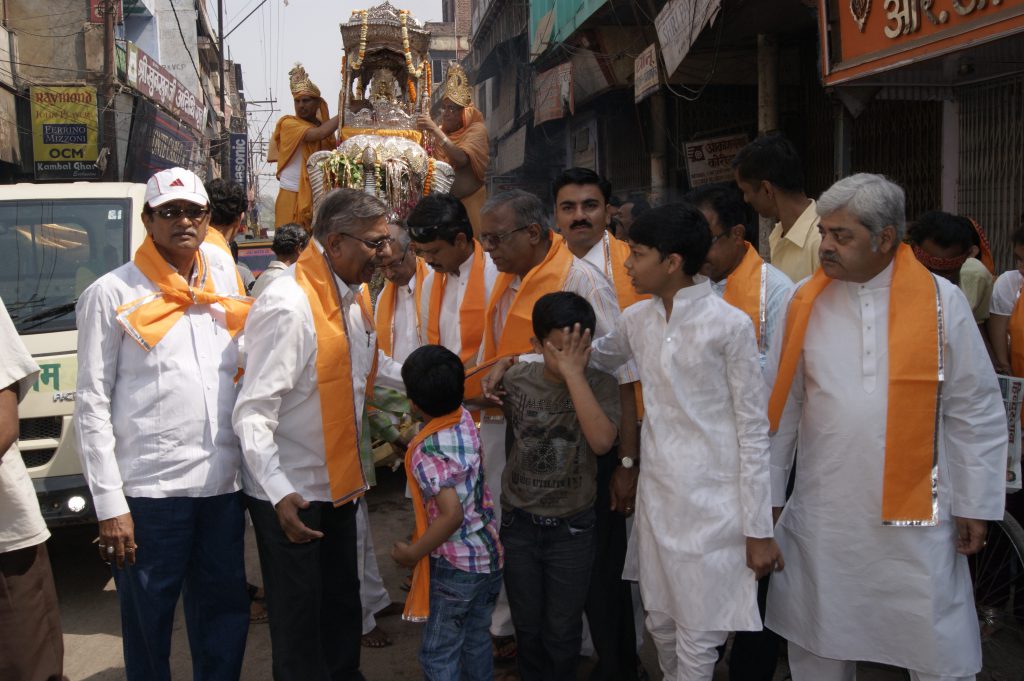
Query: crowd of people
613, 417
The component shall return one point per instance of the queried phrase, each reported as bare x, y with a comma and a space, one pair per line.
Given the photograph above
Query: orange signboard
864, 37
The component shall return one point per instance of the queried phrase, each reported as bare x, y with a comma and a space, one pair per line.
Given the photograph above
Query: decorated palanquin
386, 82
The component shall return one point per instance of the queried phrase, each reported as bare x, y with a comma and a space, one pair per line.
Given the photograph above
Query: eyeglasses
378, 245
422, 231
495, 240
175, 212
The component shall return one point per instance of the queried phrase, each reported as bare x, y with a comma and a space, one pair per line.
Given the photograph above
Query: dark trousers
31, 644
312, 591
189, 547
547, 575
755, 653
609, 605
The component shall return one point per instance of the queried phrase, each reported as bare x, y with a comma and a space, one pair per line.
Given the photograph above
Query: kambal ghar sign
64, 132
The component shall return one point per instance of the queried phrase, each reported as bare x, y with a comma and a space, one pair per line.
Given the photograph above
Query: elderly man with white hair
883, 384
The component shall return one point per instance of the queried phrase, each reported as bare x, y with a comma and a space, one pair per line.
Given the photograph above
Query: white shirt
1005, 292
21, 523
852, 588
776, 295
704, 479
158, 423
449, 322
273, 271
277, 416
292, 172
405, 331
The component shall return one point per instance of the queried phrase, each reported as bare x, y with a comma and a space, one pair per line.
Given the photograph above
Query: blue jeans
456, 639
547, 577
192, 547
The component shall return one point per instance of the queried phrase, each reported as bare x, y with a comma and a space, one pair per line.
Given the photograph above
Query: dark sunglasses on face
175, 212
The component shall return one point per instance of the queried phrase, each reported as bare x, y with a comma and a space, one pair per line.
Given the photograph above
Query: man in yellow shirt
294, 139
771, 177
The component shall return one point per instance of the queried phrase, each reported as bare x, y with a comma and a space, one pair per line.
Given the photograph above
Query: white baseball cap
175, 183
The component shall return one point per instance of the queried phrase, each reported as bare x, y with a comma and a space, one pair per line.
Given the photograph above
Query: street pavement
91, 620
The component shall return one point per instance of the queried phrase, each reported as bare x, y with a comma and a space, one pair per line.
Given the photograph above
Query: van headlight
76, 504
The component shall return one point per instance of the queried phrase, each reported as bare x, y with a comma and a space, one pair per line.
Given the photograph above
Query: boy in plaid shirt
456, 552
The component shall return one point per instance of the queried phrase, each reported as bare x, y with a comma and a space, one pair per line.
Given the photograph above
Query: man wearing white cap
157, 359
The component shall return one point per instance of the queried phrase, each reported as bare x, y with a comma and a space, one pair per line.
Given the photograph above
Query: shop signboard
64, 132
710, 160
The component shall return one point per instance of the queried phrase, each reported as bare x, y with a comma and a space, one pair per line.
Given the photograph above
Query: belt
540, 520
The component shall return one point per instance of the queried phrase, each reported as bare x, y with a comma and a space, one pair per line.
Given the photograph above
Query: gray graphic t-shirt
551, 470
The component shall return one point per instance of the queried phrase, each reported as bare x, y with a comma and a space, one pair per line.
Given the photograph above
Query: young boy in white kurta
703, 516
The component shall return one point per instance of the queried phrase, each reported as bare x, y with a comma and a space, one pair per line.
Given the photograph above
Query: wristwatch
627, 462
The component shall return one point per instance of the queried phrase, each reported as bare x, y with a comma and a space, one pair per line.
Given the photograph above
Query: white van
55, 240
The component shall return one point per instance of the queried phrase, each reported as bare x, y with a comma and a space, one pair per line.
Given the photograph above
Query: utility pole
225, 153
767, 111
110, 91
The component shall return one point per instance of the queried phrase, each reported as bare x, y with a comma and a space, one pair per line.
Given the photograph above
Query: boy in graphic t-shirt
562, 415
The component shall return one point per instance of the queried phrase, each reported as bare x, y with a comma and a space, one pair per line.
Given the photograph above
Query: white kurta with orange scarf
853, 589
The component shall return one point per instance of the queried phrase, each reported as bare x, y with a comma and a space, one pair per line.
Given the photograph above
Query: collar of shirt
464, 268
801, 229
595, 256
276, 265
881, 280
701, 287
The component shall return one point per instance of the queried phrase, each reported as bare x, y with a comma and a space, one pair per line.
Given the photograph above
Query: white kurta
704, 480
853, 589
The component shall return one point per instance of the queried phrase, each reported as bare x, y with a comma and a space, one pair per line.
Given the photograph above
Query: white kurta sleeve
389, 373
99, 344
280, 344
784, 440
749, 400
612, 350
973, 418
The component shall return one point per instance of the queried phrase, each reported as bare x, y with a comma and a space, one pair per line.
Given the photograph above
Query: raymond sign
645, 74
64, 132
239, 159
862, 38
711, 160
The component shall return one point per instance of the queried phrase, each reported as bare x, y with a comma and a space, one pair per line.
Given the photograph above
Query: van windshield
51, 250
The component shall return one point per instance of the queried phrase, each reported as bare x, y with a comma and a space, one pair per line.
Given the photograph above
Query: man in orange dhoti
294, 139
462, 142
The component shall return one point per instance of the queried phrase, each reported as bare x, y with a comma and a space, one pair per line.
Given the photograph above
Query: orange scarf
334, 375
148, 319
386, 302
471, 312
915, 335
417, 604
744, 289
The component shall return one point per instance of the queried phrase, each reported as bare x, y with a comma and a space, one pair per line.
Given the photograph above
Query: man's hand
117, 540
571, 359
764, 556
425, 123
971, 535
288, 515
623, 490
402, 554
491, 385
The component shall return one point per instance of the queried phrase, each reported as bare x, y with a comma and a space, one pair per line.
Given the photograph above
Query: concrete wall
174, 51
56, 42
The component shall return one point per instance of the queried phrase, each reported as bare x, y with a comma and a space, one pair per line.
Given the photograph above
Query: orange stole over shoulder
287, 141
915, 339
386, 302
471, 312
334, 375
417, 604
148, 319
547, 277
617, 253
744, 286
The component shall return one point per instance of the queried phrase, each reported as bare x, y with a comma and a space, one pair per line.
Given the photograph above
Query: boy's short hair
675, 228
772, 158
434, 379
559, 310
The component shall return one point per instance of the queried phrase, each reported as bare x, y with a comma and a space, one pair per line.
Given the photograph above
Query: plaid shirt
451, 458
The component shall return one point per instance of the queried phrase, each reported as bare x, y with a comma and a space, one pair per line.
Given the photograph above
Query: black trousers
609, 605
755, 653
312, 590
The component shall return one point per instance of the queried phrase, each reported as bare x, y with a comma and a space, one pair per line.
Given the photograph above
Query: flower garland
430, 78
412, 90
428, 179
403, 17
363, 32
